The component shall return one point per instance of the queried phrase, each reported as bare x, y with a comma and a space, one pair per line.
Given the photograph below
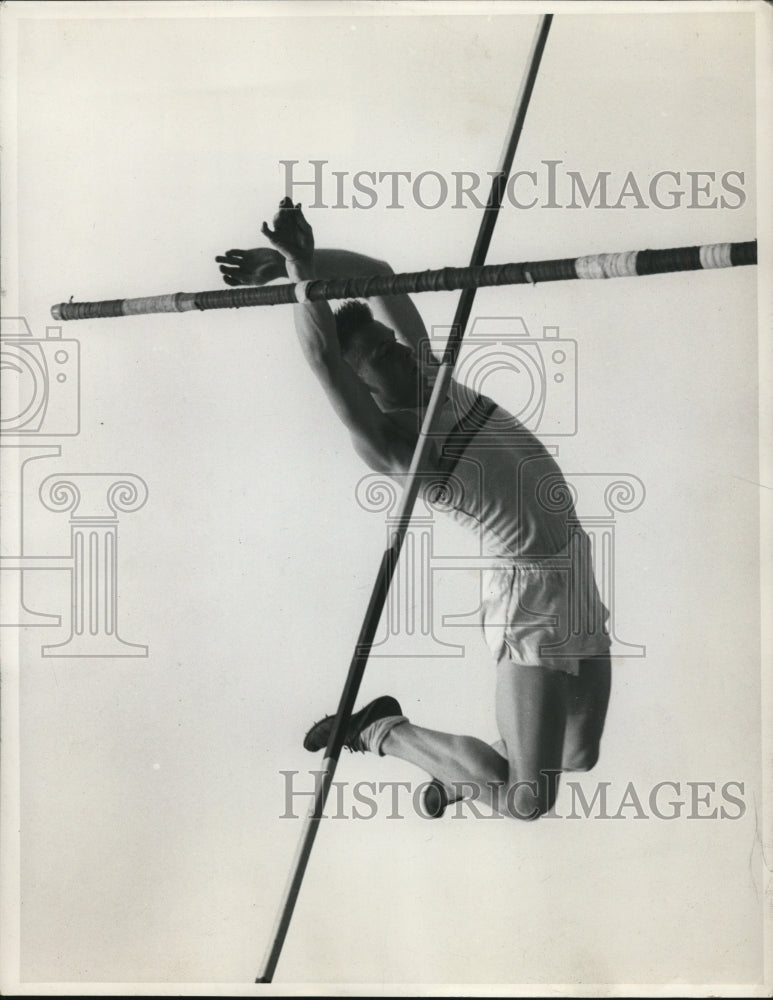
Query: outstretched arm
398, 312
258, 266
373, 434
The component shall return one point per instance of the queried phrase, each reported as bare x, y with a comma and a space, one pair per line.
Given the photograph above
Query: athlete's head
388, 368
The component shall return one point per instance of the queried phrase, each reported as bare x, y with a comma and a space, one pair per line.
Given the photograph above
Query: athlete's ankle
390, 744
376, 736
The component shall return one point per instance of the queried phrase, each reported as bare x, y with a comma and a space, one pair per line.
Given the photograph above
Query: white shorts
546, 612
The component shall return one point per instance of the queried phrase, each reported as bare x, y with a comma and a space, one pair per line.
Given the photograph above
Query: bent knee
528, 800
525, 815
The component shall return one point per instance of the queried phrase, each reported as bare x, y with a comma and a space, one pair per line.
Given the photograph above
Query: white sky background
151, 848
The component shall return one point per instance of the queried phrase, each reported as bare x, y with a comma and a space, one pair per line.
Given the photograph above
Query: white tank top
497, 479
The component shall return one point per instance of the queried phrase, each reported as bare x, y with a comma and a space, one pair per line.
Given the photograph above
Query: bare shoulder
403, 431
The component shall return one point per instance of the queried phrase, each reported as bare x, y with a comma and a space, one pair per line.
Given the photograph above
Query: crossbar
628, 264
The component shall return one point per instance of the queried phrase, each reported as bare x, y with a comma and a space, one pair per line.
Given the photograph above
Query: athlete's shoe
319, 734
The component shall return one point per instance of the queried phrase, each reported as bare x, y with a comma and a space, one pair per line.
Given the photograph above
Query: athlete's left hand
252, 267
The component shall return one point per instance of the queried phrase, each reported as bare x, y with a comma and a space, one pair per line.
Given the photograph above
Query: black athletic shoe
434, 799
319, 734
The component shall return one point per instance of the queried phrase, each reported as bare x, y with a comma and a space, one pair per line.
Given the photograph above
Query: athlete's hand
252, 267
292, 236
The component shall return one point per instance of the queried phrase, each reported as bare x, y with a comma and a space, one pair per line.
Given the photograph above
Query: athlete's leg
586, 700
586, 710
437, 797
530, 705
465, 765
531, 716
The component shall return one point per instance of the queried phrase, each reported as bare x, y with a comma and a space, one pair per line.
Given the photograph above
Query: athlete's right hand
292, 236
252, 267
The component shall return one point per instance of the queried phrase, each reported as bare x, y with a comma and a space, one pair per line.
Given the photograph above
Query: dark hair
351, 317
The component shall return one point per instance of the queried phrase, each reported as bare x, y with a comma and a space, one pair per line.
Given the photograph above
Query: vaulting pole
389, 560
628, 264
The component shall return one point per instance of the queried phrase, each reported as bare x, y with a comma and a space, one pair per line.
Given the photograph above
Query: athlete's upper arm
399, 313
375, 437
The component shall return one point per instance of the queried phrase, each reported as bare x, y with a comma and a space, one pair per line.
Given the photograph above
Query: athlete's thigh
586, 712
531, 716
